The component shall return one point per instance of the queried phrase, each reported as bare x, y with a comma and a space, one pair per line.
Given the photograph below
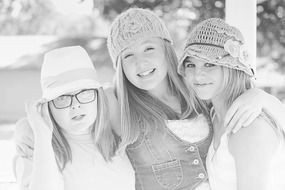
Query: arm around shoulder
252, 148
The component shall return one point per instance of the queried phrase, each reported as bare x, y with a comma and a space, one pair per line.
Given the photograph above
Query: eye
149, 49
189, 64
209, 65
62, 98
128, 55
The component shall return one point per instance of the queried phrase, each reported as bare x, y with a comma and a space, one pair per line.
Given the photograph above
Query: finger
25, 150
230, 114
27, 107
46, 115
241, 121
251, 119
235, 119
31, 108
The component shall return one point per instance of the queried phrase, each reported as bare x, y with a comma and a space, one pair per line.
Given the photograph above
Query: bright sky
73, 6
16, 46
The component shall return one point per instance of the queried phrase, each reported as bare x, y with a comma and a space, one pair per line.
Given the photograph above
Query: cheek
128, 70
60, 116
92, 111
189, 76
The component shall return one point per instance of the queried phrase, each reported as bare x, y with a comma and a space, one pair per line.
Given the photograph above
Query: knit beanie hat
66, 70
214, 41
133, 25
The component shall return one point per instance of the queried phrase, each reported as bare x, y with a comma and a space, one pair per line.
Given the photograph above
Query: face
78, 117
144, 64
205, 78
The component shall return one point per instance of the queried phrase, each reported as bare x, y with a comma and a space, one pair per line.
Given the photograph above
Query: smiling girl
215, 67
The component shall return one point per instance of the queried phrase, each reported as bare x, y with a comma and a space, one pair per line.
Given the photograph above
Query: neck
220, 111
165, 94
162, 91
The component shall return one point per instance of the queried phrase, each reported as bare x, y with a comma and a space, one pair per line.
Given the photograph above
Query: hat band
68, 77
206, 44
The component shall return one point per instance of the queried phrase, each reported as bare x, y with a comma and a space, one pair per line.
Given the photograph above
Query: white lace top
192, 131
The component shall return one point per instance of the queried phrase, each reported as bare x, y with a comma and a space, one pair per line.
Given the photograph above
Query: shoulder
260, 133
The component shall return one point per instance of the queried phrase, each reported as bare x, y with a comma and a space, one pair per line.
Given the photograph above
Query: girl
165, 140
165, 132
74, 143
215, 66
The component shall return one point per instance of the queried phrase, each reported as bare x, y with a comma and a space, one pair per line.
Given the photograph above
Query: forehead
73, 92
144, 41
194, 60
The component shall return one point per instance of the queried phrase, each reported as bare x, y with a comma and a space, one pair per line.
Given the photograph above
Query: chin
204, 96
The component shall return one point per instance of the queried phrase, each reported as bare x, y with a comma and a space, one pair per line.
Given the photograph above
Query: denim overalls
164, 161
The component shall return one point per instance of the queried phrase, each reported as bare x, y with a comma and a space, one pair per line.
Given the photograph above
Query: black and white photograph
142, 94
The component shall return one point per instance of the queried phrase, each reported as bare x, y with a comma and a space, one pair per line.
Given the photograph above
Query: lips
78, 117
146, 72
202, 84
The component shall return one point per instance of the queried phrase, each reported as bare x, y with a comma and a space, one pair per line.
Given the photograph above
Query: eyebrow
148, 41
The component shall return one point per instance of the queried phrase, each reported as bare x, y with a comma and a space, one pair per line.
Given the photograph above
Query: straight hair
104, 137
235, 83
140, 110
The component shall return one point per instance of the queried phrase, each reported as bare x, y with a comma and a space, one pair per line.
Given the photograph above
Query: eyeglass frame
75, 95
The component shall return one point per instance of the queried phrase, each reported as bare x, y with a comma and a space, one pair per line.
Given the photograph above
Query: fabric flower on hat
236, 50
243, 55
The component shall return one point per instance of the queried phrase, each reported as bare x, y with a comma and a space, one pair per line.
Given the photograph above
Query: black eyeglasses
83, 97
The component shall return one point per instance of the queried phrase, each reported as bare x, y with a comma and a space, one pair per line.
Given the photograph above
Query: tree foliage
38, 17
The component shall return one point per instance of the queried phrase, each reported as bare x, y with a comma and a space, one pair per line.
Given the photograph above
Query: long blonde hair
139, 109
235, 82
104, 137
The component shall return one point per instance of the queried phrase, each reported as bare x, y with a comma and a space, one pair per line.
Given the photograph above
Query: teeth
146, 72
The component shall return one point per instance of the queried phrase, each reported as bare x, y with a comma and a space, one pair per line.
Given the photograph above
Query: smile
146, 73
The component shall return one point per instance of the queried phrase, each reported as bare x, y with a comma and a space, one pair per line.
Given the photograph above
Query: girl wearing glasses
74, 142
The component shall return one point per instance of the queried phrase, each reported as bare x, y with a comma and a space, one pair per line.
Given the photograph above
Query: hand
244, 110
24, 138
39, 120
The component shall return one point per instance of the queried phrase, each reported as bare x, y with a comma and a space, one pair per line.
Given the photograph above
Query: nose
199, 72
140, 60
75, 103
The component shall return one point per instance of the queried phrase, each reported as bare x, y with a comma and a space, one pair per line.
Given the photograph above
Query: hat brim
215, 55
52, 93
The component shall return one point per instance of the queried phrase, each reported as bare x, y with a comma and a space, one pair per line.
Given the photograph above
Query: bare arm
24, 141
45, 174
249, 105
252, 148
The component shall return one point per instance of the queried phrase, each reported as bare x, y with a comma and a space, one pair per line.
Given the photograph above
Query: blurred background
29, 28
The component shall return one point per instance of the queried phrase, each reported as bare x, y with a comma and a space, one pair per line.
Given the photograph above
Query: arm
274, 107
24, 141
45, 174
252, 148
249, 105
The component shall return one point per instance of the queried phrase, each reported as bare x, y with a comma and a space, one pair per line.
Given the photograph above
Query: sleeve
22, 165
